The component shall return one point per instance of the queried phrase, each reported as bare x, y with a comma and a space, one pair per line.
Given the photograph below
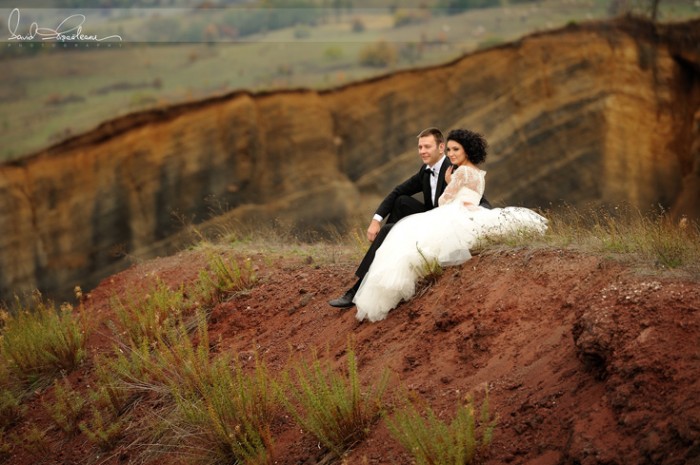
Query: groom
430, 180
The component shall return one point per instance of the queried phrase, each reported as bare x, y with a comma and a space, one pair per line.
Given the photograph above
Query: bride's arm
456, 183
463, 177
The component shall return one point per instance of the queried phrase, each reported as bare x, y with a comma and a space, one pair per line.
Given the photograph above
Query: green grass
11, 396
224, 277
227, 418
5, 446
650, 239
142, 318
103, 432
433, 441
331, 405
67, 407
39, 341
205, 406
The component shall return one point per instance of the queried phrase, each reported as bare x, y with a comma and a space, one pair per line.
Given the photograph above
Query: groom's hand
373, 230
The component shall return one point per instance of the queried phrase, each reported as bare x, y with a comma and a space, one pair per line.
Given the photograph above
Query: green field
64, 90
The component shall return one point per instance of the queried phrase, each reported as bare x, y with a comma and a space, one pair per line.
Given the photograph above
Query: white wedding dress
444, 234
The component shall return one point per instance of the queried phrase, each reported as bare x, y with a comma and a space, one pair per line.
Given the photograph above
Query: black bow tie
432, 172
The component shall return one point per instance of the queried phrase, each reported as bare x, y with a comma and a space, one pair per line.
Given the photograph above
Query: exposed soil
586, 361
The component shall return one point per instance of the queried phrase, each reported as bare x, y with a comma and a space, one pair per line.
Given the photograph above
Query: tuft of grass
67, 408
11, 408
119, 384
222, 424
430, 269
143, 319
225, 277
105, 433
42, 341
672, 245
331, 405
11, 394
432, 441
5, 446
208, 408
221, 414
35, 442
358, 243
118, 377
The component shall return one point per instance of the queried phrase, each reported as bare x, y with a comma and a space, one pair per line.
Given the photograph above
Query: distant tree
358, 25
643, 7
454, 7
618, 7
379, 54
654, 9
333, 53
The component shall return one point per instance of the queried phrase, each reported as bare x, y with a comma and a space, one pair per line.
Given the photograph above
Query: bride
444, 234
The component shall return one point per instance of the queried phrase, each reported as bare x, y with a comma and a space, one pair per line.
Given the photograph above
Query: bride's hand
448, 174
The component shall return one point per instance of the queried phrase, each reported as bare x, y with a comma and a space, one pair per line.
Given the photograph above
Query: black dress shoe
345, 301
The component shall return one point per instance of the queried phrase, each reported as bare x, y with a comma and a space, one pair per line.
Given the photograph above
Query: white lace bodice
467, 185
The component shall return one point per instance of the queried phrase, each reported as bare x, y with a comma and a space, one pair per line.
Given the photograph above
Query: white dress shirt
434, 178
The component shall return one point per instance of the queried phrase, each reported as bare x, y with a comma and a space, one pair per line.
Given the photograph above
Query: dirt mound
585, 360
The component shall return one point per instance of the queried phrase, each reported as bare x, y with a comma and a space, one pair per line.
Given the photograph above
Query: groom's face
429, 150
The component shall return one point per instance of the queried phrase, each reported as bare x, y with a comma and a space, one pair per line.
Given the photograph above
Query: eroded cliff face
601, 114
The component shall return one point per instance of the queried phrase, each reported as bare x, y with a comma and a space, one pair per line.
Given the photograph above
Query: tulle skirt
443, 235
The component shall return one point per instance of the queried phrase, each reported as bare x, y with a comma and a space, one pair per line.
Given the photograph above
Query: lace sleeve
468, 183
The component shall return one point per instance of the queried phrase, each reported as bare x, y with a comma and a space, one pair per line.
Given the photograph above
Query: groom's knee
405, 205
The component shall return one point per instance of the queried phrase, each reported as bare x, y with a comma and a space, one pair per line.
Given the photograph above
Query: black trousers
403, 207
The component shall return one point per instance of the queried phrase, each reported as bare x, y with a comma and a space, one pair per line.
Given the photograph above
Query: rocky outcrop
598, 114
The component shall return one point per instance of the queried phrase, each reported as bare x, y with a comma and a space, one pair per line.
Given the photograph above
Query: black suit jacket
419, 182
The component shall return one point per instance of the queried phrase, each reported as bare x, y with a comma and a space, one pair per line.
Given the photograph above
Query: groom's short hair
435, 132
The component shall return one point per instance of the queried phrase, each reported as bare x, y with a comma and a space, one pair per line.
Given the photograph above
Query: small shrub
144, 319
431, 441
5, 446
430, 269
378, 55
67, 407
285, 69
120, 378
405, 17
331, 405
11, 408
224, 410
37, 343
35, 442
411, 52
302, 32
104, 433
358, 25
673, 245
490, 42
333, 53
225, 277
225, 431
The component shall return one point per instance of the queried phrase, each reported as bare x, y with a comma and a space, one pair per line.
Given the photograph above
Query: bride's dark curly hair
473, 143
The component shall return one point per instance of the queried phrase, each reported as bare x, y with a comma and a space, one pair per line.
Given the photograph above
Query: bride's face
456, 153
